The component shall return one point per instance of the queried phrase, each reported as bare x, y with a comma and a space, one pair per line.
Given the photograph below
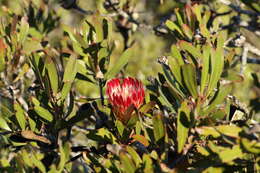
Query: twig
244, 59
238, 9
6, 133
249, 60
253, 49
253, 60
72, 4
81, 129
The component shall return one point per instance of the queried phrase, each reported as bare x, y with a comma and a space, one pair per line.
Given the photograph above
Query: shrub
70, 102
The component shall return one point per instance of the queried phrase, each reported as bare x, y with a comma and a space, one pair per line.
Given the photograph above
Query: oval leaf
113, 70
43, 113
158, 127
183, 124
189, 78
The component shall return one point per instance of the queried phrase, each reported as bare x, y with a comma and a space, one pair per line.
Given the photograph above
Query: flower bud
125, 95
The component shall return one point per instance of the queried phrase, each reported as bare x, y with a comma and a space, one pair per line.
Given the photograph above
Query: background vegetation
199, 61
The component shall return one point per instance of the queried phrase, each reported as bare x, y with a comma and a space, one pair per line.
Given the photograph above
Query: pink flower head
125, 93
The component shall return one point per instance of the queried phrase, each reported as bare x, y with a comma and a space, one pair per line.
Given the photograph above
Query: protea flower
125, 95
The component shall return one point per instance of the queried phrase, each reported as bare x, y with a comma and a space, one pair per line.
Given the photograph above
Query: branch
238, 9
251, 60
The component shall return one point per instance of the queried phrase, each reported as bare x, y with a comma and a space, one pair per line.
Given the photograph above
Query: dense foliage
129, 86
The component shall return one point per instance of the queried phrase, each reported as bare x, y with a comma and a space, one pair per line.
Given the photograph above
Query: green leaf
234, 77
187, 31
77, 48
183, 125
251, 146
31, 45
191, 49
147, 107
163, 99
228, 155
189, 78
35, 61
154, 155
43, 113
173, 85
75, 39
69, 30
25, 68
197, 10
80, 42
32, 124
158, 127
64, 151
208, 131
206, 17
212, 169
35, 101
2, 54
19, 113
120, 127
62, 158
179, 19
176, 69
172, 26
103, 53
219, 97
176, 54
219, 114
138, 127
3, 124
70, 69
5, 109
217, 131
65, 90
26, 158
123, 60
134, 155
127, 162
148, 164
38, 163
52, 74
229, 130
85, 30
217, 64
253, 4
176, 93
69, 76
205, 68
98, 28
84, 111
202, 150
35, 33
81, 66
24, 29
204, 30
